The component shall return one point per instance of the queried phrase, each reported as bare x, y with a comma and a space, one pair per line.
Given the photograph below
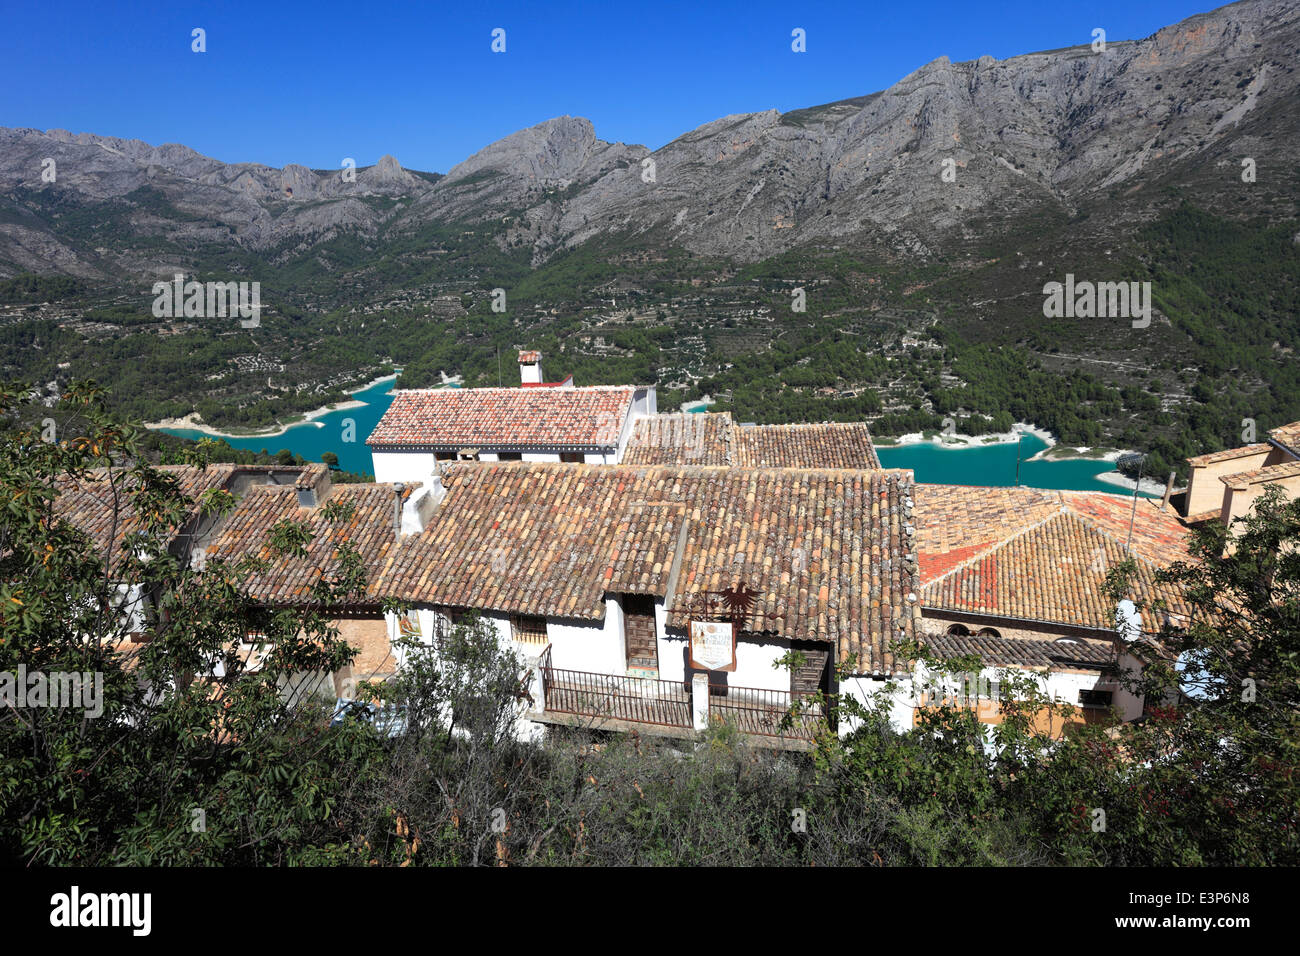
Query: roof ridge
1106, 533
739, 469
997, 546
444, 390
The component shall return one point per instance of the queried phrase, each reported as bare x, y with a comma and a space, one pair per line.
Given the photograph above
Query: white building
536, 422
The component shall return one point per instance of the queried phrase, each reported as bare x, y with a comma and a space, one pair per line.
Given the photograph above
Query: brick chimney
530, 368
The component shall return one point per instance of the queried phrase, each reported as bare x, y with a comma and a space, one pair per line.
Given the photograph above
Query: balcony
614, 702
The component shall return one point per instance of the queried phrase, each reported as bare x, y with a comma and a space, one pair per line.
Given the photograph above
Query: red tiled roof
102, 507
1020, 651
289, 580
826, 550
956, 522
1287, 469
704, 438
1228, 454
451, 418
1288, 436
712, 438
1054, 570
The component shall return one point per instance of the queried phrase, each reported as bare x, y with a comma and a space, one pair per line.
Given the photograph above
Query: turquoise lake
993, 465
327, 433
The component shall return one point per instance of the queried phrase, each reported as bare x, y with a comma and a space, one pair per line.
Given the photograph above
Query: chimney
398, 488
530, 368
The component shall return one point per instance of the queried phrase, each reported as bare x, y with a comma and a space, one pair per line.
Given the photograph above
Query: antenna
1140, 457
1019, 438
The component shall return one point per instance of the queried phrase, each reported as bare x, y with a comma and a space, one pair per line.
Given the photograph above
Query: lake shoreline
192, 420
1053, 452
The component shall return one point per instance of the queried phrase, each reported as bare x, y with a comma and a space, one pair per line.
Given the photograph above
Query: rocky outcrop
946, 154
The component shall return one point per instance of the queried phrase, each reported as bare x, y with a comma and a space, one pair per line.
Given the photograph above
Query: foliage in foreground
234, 765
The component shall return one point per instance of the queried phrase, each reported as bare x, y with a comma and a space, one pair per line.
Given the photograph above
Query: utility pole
1018, 440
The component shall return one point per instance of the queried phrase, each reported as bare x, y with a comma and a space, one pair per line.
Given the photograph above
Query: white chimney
530, 368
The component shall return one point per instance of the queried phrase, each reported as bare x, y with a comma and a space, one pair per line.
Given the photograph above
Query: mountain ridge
1044, 129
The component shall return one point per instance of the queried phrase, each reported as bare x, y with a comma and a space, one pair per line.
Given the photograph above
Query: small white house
657, 598
535, 422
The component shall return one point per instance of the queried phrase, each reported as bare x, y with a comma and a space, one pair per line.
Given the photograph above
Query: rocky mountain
1042, 133
921, 221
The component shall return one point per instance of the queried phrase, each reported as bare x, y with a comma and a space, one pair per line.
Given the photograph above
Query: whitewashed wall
404, 466
1061, 686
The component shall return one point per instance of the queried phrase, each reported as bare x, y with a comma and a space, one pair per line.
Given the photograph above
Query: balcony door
639, 635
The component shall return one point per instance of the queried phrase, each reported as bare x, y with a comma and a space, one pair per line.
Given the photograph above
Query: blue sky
314, 82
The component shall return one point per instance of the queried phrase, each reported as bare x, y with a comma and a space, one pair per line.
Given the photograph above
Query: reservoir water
329, 432
993, 464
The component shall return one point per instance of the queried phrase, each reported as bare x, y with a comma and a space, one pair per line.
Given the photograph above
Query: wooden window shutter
639, 631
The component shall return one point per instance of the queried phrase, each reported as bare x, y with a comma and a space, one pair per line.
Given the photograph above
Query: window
958, 630
510, 456
1095, 698
528, 630
573, 457
988, 632
444, 456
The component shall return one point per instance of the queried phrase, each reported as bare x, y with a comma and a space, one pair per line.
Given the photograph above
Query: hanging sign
713, 645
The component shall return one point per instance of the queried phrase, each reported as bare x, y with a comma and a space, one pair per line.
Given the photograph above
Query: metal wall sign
713, 645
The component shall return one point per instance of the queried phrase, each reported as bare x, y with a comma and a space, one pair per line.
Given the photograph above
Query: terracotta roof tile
103, 509
289, 580
1228, 454
1288, 436
713, 438
1287, 469
1018, 651
452, 418
826, 550
1051, 572
956, 522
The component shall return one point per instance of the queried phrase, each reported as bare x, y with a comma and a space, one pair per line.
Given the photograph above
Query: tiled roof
1158, 535
1019, 651
103, 508
828, 445
956, 522
713, 438
1230, 453
1039, 555
684, 438
825, 549
1287, 469
1052, 572
289, 580
1288, 436
452, 418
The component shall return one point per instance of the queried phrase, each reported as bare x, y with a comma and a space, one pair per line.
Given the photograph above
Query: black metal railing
642, 700
764, 712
